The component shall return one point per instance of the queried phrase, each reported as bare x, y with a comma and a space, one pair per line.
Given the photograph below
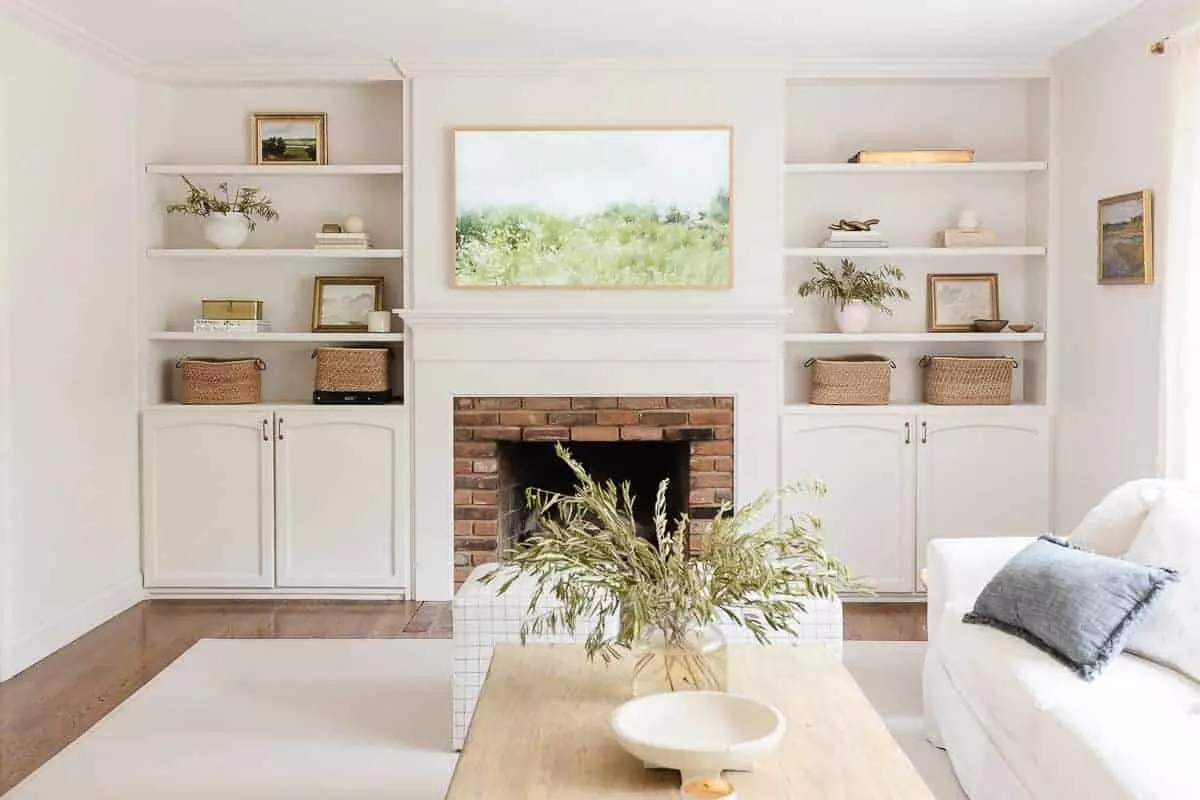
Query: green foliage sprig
246, 200
588, 556
873, 287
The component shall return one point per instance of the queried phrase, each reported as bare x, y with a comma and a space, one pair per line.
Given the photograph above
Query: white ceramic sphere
352, 224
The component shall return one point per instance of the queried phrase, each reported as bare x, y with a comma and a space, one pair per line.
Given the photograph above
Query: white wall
1114, 136
68, 319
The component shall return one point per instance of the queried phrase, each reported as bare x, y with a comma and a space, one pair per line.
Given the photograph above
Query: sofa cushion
1129, 734
1113, 524
1170, 633
1076, 605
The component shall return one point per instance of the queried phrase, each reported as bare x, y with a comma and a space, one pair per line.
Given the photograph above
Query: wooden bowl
1021, 327
990, 325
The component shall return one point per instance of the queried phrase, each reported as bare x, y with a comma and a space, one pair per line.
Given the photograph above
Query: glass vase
693, 658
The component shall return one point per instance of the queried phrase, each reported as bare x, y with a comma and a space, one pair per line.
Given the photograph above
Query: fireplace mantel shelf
675, 317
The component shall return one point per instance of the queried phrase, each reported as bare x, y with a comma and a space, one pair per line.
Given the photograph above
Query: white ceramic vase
226, 231
854, 317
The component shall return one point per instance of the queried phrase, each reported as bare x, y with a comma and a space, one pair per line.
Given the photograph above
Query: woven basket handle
260, 365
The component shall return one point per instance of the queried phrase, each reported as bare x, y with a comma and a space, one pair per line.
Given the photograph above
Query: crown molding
69, 35
916, 68
249, 73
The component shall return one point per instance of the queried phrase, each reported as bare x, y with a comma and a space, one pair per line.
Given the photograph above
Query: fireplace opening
534, 465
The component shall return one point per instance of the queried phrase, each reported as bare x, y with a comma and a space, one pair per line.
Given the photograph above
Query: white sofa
1017, 725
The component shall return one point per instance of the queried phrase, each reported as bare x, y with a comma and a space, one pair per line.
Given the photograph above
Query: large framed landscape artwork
1126, 239
612, 208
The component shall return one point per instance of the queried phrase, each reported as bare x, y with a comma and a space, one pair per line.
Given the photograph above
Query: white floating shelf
911, 252
308, 170
188, 336
905, 408
913, 336
976, 166
306, 252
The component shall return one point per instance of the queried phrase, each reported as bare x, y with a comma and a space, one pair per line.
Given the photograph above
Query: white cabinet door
867, 462
207, 498
341, 479
982, 472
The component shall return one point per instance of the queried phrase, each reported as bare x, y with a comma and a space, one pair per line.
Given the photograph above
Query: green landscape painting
1126, 252
593, 208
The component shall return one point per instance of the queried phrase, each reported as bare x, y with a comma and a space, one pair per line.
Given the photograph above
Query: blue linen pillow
1074, 604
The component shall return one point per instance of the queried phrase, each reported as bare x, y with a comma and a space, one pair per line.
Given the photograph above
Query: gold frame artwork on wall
321, 313
319, 146
1125, 239
941, 319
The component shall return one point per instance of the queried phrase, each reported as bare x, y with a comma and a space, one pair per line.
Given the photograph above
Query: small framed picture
1125, 235
277, 138
954, 301
341, 303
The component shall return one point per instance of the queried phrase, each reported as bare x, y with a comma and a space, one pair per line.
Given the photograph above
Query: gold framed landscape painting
288, 138
341, 302
593, 208
1125, 233
954, 301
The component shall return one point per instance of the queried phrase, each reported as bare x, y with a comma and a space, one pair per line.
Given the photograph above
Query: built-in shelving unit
915, 252
842, 167
299, 170
314, 338
282, 252
907, 337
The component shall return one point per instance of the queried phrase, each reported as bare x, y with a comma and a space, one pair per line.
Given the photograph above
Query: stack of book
230, 326
343, 241
855, 239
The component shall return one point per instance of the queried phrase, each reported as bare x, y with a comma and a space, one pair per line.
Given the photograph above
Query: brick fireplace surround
481, 423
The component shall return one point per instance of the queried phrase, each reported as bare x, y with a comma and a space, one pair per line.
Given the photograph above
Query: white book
834, 245
855, 236
230, 326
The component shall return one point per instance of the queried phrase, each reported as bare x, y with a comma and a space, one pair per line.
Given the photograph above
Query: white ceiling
183, 32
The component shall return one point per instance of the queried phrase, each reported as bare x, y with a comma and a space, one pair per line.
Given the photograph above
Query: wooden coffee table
541, 730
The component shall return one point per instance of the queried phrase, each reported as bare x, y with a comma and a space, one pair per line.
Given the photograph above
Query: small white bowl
698, 732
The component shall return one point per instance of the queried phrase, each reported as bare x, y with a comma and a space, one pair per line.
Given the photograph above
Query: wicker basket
221, 380
850, 381
968, 380
352, 369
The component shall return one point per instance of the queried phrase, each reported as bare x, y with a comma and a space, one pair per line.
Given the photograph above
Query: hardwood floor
49, 705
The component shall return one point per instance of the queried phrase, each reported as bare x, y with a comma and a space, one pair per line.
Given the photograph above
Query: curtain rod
1159, 47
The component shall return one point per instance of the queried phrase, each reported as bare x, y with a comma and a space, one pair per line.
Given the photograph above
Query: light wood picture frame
1125, 239
562, 187
293, 138
953, 301
341, 302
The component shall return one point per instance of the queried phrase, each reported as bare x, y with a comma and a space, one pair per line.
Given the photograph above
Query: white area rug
338, 719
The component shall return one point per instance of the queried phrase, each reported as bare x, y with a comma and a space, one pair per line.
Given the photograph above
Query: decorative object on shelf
1020, 327
855, 292
589, 555
288, 138
353, 224
854, 225
989, 325
850, 381
231, 309
854, 233
352, 375
343, 241
1126, 239
593, 208
221, 381
341, 302
968, 380
955, 301
379, 322
954, 156
968, 220
230, 326
228, 219
969, 233
331, 227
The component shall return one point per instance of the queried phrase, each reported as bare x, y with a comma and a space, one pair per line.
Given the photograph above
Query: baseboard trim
33, 647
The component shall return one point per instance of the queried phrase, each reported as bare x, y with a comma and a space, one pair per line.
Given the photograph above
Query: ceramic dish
1020, 327
990, 325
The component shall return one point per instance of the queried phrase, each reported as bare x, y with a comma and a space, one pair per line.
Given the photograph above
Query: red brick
475, 449
593, 403
485, 482
462, 497
462, 434
690, 402
701, 497
463, 527
712, 448
464, 403
617, 418
595, 433
639, 403
479, 498
498, 403
499, 434
701, 464
523, 418
723, 432
722, 495
711, 417
546, 403
640, 433
485, 465
664, 418
723, 464
485, 529
475, 544
475, 512
462, 466
723, 402
484, 558
462, 560
572, 418
475, 419
711, 480
460, 575
689, 434
554, 434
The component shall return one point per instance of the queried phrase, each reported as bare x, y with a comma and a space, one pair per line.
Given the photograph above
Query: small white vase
226, 231
854, 317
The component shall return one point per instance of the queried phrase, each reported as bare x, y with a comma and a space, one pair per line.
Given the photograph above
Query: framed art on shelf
955, 301
288, 138
341, 303
1125, 239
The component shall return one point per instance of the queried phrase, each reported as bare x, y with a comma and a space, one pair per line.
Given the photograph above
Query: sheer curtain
1180, 445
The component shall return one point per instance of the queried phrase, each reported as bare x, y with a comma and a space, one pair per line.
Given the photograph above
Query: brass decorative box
231, 309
